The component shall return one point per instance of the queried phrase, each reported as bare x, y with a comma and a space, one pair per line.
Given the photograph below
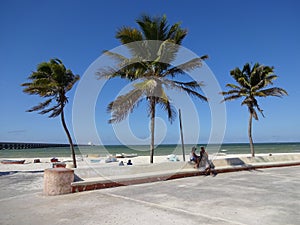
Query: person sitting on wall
194, 157
208, 164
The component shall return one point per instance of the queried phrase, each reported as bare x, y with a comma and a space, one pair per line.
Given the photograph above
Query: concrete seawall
240, 161
105, 177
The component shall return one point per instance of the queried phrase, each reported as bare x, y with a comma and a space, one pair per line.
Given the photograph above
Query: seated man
194, 157
206, 162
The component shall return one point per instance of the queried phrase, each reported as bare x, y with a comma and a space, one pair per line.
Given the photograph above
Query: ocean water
242, 148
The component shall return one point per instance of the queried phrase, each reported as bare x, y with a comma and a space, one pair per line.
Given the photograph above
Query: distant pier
18, 145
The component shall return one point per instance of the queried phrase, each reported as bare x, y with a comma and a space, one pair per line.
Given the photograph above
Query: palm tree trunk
250, 135
152, 108
62, 116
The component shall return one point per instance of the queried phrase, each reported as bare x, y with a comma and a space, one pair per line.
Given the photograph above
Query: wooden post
181, 134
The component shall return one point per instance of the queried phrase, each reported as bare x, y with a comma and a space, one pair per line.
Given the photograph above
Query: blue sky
231, 32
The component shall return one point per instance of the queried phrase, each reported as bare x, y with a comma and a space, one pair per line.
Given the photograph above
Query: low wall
240, 161
60, 180
110, 171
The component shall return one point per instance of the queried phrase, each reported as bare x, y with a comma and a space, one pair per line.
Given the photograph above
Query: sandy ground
87, 161
82, 162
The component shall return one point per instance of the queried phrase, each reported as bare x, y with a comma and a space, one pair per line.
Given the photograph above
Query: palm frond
131, 69
70, 85
251, 82
186, 67
42, 69
193, 85
234, 86
53, 108
172, 30
191, 88
147, 25
128, 34
51, 80
195, 94
153, 28
40, 106
56, 112
179, 36
275, 91
168, 107
260, 110
230, 98
153, 48
118, 57
107, 72
240, 77
244, 82
269, 79
152, 87
255, 78
247, 69
254, 113
124, 104
234, 91
163, 51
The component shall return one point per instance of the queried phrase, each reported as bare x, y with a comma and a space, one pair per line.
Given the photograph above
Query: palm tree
52, 81
152, 49
252, 83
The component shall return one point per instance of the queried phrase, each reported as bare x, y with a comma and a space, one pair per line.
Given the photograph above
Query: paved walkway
268, 196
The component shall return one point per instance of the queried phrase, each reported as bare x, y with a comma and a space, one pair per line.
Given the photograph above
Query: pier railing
18, 145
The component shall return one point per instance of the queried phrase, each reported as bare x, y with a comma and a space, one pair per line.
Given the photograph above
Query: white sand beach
82, 162
93, 161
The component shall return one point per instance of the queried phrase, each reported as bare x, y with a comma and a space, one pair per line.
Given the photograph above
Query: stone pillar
57, 181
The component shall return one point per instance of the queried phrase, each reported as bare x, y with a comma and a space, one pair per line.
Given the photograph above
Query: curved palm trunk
250, 135
152, 108
62, 116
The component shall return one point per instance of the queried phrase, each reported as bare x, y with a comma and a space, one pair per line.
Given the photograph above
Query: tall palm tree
52, 81
251, 84
152, 49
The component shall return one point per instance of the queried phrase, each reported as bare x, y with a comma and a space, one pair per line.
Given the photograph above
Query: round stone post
57, 181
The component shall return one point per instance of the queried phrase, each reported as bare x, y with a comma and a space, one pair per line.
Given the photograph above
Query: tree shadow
5, 173
235, 162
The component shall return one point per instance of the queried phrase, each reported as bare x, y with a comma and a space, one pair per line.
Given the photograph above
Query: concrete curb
257, 166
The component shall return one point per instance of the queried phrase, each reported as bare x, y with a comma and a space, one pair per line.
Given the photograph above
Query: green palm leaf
250, 84
52, 81
152, 49
124, 104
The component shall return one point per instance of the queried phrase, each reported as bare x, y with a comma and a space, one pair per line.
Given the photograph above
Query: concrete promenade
263, 196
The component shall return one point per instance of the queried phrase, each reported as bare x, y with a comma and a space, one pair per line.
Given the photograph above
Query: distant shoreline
143, 150
46, 144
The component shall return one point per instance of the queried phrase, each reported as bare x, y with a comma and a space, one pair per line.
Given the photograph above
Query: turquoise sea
241, 148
